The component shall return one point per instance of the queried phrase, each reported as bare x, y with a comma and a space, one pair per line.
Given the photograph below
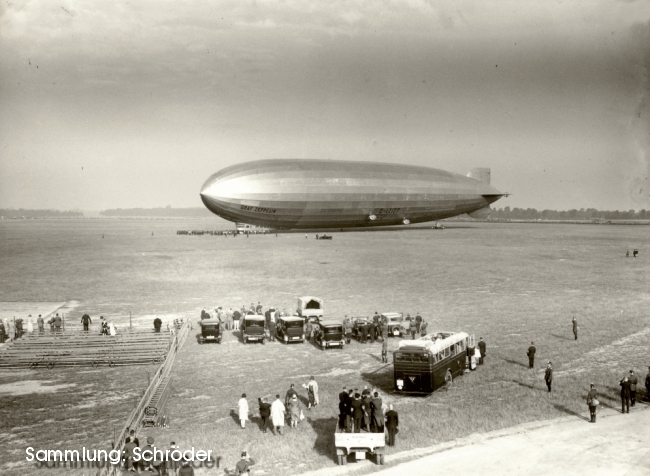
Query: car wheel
448, 380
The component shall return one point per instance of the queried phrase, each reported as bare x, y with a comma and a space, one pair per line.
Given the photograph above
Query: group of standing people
278, 411
11, 329
366, 411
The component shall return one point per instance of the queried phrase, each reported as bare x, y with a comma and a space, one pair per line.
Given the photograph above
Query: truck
360, 445
310, 306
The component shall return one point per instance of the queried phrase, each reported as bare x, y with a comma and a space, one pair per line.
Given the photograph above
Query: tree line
583, 214
157, 212
22, 213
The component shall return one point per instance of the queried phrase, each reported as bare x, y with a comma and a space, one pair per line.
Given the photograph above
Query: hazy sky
134, 104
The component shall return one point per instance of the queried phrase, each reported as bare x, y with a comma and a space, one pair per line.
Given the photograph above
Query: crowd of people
278, 412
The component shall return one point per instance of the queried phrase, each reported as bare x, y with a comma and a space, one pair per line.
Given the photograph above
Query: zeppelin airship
306, 193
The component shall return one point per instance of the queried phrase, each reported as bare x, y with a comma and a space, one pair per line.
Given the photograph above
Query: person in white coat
243, 410
277, 414
30, 326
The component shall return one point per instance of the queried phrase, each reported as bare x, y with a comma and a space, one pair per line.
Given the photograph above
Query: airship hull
301, 193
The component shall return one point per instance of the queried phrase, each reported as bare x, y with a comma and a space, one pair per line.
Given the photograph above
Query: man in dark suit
373, 332
481, 347
265, 412
531, 355
357, 412
364, 332
634, 381
392, 422
548, 376
343, 410
625, 395
575, 328
377, 414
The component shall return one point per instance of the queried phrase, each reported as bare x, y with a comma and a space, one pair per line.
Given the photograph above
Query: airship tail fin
481, 174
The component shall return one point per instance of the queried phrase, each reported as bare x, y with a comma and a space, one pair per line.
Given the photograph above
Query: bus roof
435, 341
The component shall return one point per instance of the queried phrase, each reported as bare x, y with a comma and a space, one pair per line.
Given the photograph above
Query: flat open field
510, 283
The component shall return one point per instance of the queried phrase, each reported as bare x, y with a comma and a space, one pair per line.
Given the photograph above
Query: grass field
510, 283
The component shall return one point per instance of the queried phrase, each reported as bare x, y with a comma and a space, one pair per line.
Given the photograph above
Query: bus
433, 361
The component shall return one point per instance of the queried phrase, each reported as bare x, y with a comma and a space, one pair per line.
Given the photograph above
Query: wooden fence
134, 422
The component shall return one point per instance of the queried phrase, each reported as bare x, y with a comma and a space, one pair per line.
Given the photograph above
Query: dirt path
616, 445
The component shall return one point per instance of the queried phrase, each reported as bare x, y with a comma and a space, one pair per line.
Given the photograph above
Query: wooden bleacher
76, 348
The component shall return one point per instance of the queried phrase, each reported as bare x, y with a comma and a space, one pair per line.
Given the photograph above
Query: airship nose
209, 194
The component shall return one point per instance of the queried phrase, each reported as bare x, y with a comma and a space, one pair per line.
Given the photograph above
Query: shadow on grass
514, 362
561, 337
382, 378
527, 385
324, 429
568, 411
376, 357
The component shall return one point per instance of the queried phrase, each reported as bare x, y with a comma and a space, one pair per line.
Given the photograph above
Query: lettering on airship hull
258, 209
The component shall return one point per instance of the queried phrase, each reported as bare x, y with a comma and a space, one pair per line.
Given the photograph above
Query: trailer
360, 445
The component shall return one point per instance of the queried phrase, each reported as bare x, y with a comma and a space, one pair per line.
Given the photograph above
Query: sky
135, 104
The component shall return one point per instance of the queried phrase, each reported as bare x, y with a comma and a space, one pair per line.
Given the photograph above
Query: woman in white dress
243, 410
112, 329
30, 326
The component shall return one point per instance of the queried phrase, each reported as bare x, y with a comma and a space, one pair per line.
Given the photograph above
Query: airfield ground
510, 283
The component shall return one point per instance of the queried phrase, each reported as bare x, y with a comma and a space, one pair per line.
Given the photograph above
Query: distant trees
573, 214
22, 213
167, 211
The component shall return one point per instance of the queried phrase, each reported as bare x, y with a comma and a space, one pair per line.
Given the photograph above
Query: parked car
329, 334
394, 321
252, 328
210, 331
290, 329
357, 325
310, 306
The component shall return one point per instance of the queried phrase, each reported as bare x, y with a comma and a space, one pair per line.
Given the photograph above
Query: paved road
617, 445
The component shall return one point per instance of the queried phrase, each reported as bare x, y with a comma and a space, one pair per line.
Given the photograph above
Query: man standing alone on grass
575, 328
548, 375
85, 320
41, 323
384, 351
633, 383
647, 385
392, 422
592, 401
531, 355
482, 346
625, 395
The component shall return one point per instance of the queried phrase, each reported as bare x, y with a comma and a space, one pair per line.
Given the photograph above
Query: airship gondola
305, 193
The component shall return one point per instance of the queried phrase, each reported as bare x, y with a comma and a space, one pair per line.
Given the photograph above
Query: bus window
461, 345
424, 358
447, 352
400, 357
434, 358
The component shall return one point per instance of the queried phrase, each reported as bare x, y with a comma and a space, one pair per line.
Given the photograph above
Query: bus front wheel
448, 380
